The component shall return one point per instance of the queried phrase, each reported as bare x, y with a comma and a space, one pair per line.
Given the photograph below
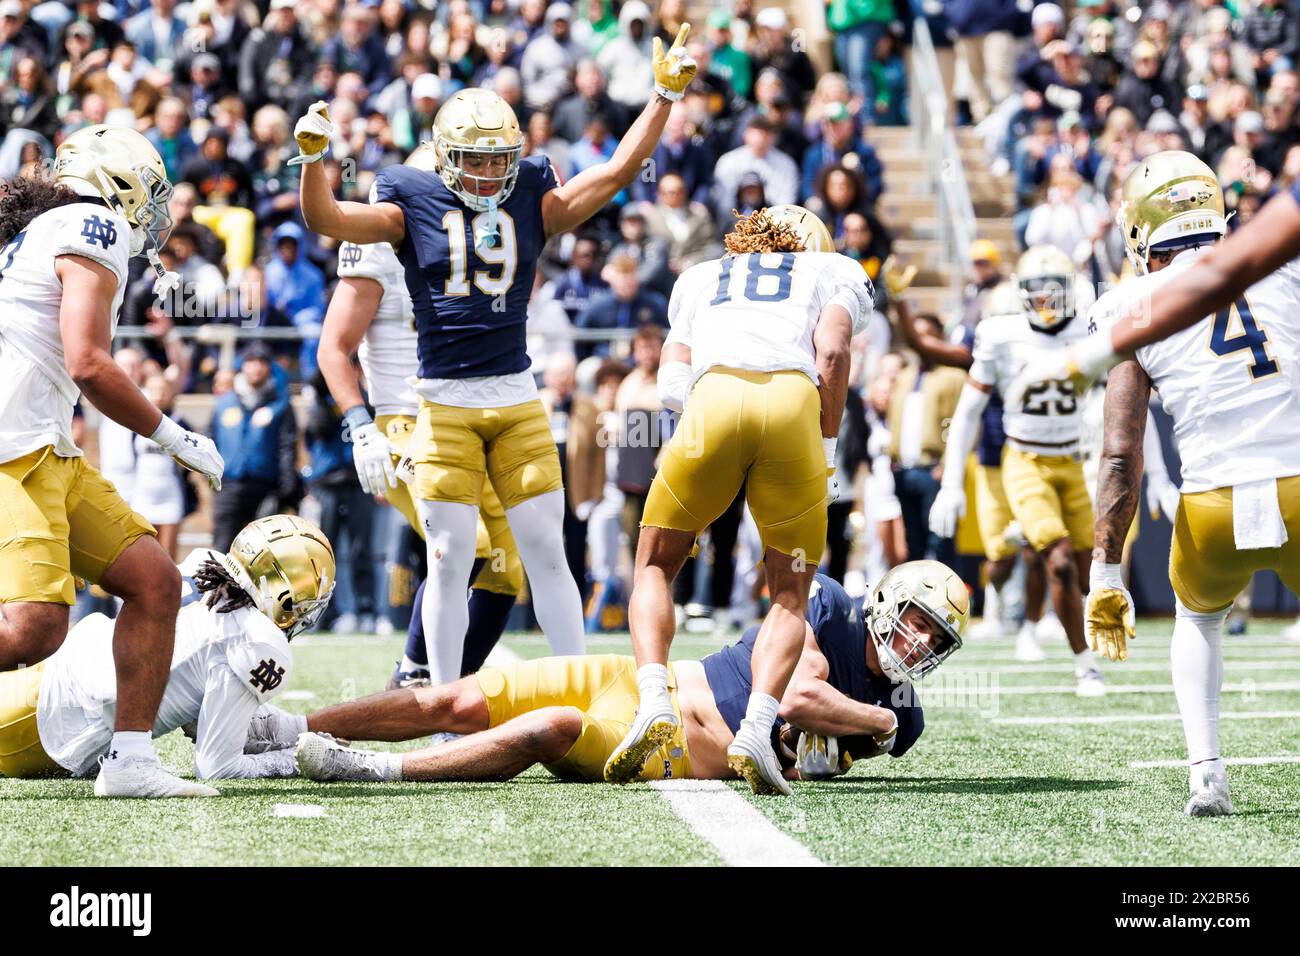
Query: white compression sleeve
450, 532
1196, 656
674, 384
962, 433
538, 527
1153, 458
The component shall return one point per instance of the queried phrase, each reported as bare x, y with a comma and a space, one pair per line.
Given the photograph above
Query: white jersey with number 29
1231, 382
757, 311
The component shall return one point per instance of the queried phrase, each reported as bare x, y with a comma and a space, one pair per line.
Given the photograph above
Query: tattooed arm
1119, 482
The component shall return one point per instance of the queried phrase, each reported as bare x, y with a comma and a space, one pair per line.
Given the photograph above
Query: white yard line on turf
1240, 688
730, 824
1139, 718
1052, 667
1232, 761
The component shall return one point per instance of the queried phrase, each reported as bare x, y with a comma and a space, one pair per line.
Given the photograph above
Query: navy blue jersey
470, 303
992, 437
836, 620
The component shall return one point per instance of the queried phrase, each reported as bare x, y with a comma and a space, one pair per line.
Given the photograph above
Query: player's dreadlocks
223, 592
758, 233
25, 197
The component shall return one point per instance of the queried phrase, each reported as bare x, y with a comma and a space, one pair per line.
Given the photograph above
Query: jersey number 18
756, 271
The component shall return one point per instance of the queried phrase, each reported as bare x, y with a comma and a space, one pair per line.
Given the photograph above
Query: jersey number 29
757, 270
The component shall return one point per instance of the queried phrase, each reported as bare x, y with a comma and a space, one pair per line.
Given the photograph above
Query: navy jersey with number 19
470, 302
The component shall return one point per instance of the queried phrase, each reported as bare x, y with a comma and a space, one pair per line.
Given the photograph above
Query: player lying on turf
238, 613
1229, 383
469, 239
569, 713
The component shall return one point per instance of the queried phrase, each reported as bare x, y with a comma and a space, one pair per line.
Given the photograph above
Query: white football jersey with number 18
1231, 382
388, 352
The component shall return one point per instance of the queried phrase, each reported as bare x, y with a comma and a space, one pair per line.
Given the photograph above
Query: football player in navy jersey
848, 700
469, 237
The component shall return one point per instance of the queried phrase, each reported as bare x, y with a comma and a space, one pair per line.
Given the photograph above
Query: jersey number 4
1251, 337
504, 254
757, 270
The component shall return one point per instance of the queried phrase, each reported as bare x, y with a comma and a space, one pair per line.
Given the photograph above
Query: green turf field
981, 786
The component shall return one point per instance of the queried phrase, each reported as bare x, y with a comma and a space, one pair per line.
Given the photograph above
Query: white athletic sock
450, 531
652, 682
992, 604
538, 528
1196, 656
130, 743
1028, 630
1083, 662
760, 714
388, 766
409, 665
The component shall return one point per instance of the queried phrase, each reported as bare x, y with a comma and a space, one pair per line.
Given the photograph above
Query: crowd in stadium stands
1067, 97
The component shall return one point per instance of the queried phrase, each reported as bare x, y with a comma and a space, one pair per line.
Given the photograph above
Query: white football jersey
1231, 382
388, 352
36, 392
224, 666
758, 311
1047, 421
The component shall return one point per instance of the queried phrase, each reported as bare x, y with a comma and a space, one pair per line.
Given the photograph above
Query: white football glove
192, 450
832, 482
1108, 616
1162, 497
818, 757
373, 457
312, 134
949, 505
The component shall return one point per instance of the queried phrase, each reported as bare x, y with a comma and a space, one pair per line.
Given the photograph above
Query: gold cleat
755, 763
628, 760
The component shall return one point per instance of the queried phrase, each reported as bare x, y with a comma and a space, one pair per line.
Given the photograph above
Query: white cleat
649, 731
1028, 650
321, 757
753, 760
144, 778
1090, 684
1209, 789
988, 629
1049, 628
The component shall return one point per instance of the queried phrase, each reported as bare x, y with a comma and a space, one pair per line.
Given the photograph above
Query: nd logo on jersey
94, 229
350, 254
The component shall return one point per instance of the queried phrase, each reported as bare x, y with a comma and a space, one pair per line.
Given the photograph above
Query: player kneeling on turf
238, 613
845, 700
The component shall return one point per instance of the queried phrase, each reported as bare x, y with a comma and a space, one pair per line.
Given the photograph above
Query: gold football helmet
1171, 199
816, 237
1045, 278
479, 123
935, 590
121, 167
1004, 299
287, 565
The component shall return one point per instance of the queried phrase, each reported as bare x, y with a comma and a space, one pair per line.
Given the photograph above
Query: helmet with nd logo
287, 565
916, 617
478, 143
1045, 277
1169, 201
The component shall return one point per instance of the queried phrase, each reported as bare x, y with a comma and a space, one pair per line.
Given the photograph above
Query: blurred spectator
858, 27
1088, 12
356, 48
107, 34
1104, 65
1143, 90
83, 70
838, 192
1067, 218
161, 491
790, 138
1272, 35
156, 33
206, 85
170, 135
772, 48
1280, 132
866, 241
29, 103
985, 274
297, 289
777, 171
275, 182
549, 60
921, 403
840, 144
888, 71
458, 51
603, 508
574, 287
181, 209
225, 191
255, 432
1206, 138
626, 305
650, 252
596, 25
19, 38
548, 327
229, 114
346, 512
638, 430
507, 85
1216, 42
984, 38
573, 415
276, 59
588, 99
685, 226
728, 62
682, 153
626, 57
540, 141
594, 147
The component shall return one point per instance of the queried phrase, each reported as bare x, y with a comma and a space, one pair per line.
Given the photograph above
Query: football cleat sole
625, 766
747, 768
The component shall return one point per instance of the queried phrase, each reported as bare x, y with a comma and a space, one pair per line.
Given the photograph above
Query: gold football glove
897, 280
312, 133
1109, 620
819, 757
673, 70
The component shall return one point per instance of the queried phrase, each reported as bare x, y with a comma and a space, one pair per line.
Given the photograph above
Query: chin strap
486, 234
166, 281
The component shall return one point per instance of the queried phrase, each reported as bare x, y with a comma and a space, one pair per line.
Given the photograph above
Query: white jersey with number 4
1231, 382
224, 666
1047, 422
36, 392
758, 311
388, 353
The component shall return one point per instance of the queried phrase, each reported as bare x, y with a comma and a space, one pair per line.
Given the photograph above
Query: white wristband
167, 433
1105, 575
1094, 355
828, 446
668, 94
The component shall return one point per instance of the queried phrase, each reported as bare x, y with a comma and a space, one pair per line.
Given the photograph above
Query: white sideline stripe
1140, 718
1246, 687
730, 824
298, 695
298, 810
1231, 761
1051, 667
